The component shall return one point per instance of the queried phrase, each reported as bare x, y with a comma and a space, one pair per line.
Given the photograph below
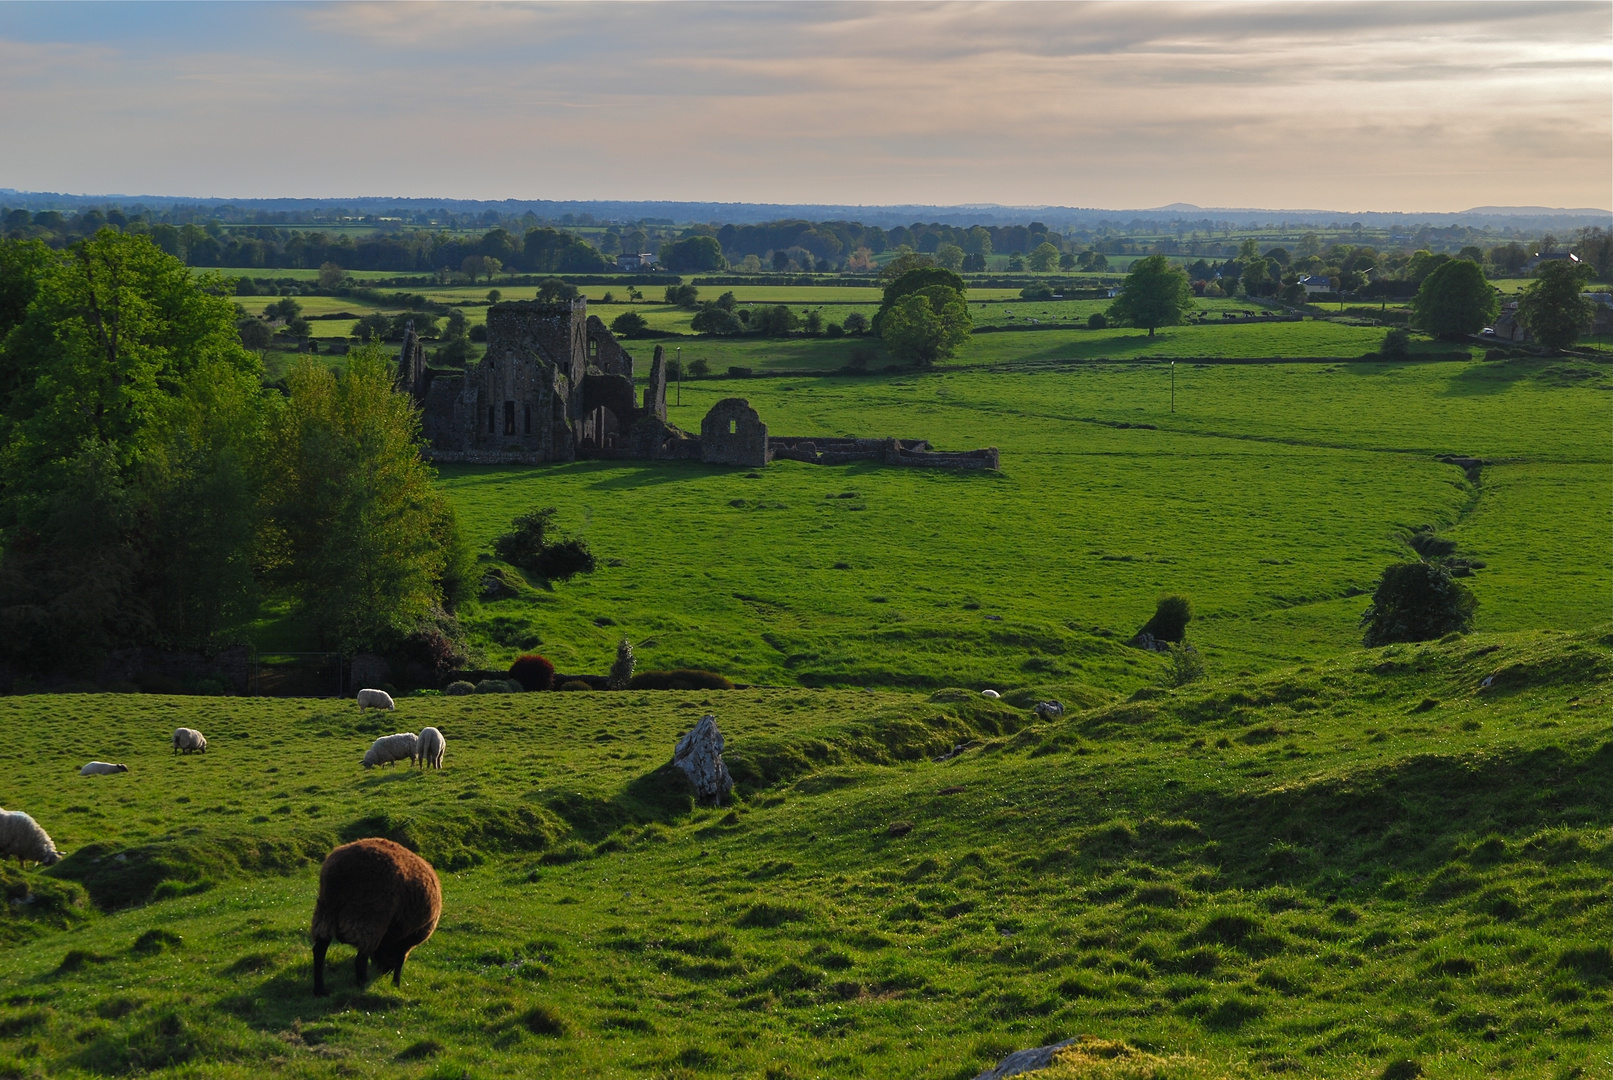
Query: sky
1348, 106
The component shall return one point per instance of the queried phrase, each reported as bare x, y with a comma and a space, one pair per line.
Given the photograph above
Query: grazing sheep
390, 748
22, 838
379, 897
374, 699
428, 751
101, 768
189, 740
991, 694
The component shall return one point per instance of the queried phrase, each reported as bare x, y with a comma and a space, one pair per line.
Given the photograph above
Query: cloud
1397, 106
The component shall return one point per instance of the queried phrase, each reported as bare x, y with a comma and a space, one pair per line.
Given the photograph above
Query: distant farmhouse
556, 385
642, 261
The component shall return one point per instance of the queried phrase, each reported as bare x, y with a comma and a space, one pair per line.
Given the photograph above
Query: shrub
1186, 665
1036, 292
1171, 616
856, 323
533, 672
739, 372
499, 686
1097, 321
478, 332
1396, 342
699, 367
574, 684
1417, 602
621, 672
567, 559
459, 688
835, 330
679, 679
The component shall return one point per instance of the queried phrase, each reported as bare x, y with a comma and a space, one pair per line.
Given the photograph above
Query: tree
331, 276
714, 319
362, 540
1154, 294
552, 290
693, 253
1044, 258
1551, 305
255, 333
629, 324
1417, 601
775, 321
473, 266
949, 256
1455, 300
923, 326
683, 296
903, 264
128, 454
856, 323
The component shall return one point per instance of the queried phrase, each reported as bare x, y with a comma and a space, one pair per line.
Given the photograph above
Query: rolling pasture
1273, 496
1320, 871
1322, 861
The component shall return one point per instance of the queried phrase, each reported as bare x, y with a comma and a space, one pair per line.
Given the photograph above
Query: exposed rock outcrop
699, 755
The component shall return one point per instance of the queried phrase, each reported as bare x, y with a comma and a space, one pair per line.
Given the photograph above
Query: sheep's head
123, 768
52, 858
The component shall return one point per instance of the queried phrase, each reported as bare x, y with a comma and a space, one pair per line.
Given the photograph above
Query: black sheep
379, 897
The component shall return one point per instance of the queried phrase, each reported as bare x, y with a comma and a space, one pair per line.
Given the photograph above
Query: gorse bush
1417, 601
527, 545
1171, 616
1396, 342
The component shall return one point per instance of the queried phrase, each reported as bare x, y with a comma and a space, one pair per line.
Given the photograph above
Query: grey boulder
699, 755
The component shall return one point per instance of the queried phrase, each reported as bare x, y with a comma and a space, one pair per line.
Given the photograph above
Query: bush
499, 686
565, 560
739, 372
459, 688
679, 679
1036, 292
1097, 321
574, 684
1396, 342
1171, 616
856, 323
699, 367
1186, 665
533, 672
478, 332
1417, 602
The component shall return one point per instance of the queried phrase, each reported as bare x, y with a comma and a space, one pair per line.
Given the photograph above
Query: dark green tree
552, 290
1455, 300
1552, 306
693, 253
629, 324
1154, 294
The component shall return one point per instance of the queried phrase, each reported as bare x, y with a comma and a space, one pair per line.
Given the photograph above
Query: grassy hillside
1273, 496
1318, 871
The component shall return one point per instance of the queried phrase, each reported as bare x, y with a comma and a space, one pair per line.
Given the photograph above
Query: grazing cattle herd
375, 895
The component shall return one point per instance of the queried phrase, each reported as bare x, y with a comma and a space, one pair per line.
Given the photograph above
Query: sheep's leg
361, 969
320, 945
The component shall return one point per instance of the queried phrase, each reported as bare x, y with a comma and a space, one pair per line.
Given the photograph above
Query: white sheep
22, 838
430, 748
189, 740
992, 694
390, 748
374, 699
102, 768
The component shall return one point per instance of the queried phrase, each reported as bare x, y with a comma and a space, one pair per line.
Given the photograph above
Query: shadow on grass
1479, 380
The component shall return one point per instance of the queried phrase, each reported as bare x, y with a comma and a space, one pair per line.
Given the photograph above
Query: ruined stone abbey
555, 385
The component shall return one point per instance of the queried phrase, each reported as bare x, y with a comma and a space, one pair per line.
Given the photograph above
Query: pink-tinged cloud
1355, 106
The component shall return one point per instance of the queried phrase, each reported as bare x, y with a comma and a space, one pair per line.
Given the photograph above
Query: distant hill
671, 212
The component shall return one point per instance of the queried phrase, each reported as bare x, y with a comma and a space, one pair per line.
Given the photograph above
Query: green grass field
1273, 496
1321, 861
1315, 872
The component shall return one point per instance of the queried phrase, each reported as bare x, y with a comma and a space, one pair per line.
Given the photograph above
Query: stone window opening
509, 418
593, 349
526, 418
733, 427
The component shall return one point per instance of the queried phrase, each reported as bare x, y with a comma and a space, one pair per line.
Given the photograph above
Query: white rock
991, 694
699, 755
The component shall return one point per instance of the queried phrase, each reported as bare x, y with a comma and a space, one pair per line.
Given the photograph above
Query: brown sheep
379, 897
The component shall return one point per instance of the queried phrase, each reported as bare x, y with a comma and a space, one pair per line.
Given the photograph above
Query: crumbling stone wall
733, 434
414, 377
605, 352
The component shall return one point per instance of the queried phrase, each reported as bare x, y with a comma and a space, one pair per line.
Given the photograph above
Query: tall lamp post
680, 374
1173, 386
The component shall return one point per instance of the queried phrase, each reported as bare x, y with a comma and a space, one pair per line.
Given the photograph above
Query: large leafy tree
362, 540
1552, 306
926, 325
1455, 300
693, 253
128, 449
1154, 294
